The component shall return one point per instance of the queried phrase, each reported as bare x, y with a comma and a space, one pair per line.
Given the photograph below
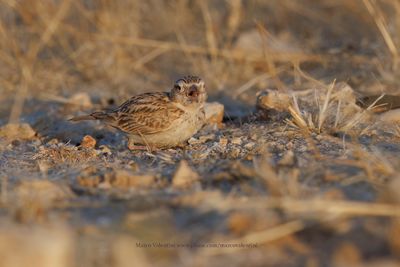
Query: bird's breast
180, 131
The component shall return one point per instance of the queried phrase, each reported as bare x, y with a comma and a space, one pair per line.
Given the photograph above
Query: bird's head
189, 90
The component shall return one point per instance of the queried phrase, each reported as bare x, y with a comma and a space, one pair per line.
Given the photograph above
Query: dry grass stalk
338, 111
324, 109
149, 57
65, 154
360, 116
376, 13
234, 19
297, 115
210, 36
249, 84
28, 62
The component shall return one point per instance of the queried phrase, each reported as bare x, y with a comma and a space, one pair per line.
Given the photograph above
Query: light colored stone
214, 112
273, 100
206, 138
88, 142
105, 150
81, 99
33, 199
43, 191
17, 131
223, 142
250, 145
237, 141
123, 178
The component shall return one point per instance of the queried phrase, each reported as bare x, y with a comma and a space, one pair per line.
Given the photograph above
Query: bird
158, 120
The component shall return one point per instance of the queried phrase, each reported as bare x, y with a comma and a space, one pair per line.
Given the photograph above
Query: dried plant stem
234, 19
20, 95
210, 37
380, 22
27, 65
249, 84
323, 110
296, 114
149, 57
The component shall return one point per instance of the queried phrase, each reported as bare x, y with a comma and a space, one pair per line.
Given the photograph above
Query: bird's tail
98, 115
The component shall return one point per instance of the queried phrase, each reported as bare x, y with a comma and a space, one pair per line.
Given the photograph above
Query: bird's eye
178, 88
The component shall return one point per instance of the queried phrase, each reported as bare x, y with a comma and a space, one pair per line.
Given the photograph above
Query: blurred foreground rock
125, 252
35, 197
184, 176
35, 246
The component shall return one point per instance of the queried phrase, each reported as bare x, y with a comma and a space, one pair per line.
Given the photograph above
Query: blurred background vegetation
120, 48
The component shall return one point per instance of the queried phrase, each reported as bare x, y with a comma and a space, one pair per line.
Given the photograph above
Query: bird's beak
193, 91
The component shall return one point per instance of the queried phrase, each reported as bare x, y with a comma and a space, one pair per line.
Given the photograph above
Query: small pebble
81, 99
223, 142
205, 138
17, 131
237, 141
105, 150
234, 152
88, 142
249, 146
214, 112
194, 141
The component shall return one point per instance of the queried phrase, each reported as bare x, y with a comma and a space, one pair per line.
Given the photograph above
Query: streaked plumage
160, 119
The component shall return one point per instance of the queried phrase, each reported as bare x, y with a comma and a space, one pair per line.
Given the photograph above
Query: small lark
161, 119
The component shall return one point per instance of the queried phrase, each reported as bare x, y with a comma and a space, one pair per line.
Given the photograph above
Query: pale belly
178, 133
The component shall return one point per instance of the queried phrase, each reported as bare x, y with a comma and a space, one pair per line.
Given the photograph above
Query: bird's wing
147, 114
